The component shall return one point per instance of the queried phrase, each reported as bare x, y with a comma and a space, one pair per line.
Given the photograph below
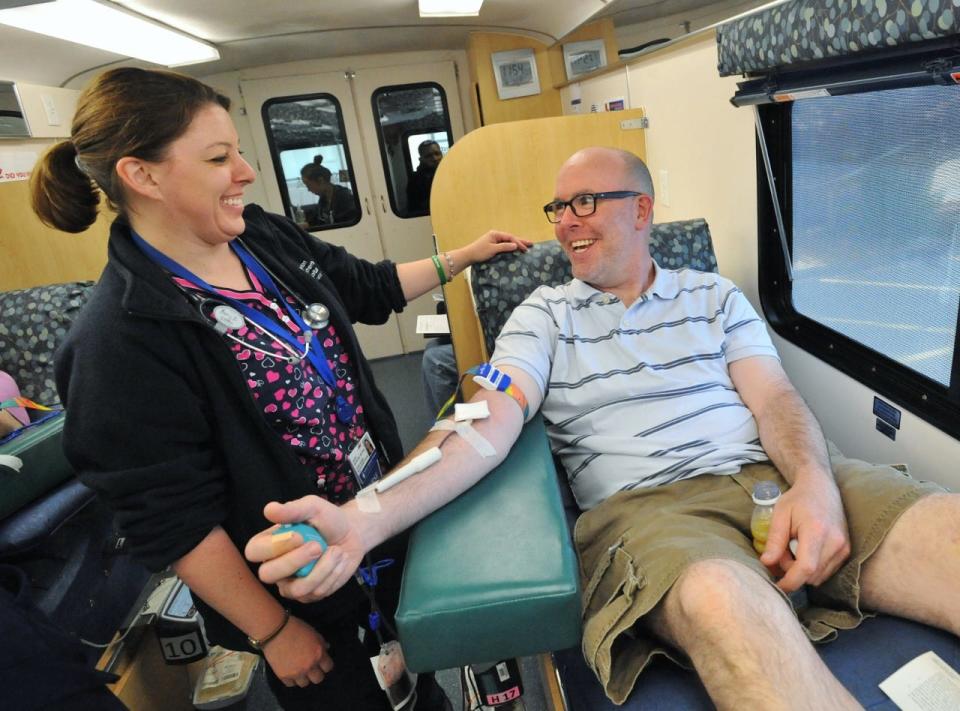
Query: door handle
383, 204
366, 203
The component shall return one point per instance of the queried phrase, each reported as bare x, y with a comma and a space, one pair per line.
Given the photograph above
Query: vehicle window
876, 221
414, 133
414, 141
308, 145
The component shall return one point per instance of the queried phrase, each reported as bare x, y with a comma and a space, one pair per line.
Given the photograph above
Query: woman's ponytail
62, 194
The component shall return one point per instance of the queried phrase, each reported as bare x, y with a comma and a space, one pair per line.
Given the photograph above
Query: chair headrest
502, 283
33, 323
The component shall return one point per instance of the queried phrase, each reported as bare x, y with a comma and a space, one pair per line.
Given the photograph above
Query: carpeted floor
398, 378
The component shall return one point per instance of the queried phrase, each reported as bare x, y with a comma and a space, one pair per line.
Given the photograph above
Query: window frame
384, 163
278, 165
928, 399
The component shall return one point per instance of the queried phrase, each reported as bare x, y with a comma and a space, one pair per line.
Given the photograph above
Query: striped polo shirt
640, 396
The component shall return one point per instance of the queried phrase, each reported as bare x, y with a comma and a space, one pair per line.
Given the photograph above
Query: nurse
215, 368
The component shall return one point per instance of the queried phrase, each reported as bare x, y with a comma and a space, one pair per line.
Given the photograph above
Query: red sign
503, 697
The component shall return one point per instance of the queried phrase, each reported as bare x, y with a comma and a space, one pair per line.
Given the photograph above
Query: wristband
489, 378
439, 268
259, 644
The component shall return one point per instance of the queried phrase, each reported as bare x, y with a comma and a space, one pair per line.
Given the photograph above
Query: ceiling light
450, 8
111, 29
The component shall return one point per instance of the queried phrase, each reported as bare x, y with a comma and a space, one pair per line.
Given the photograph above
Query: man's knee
715, 591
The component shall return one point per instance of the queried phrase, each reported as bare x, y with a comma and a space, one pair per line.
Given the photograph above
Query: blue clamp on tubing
368, 575
308, 533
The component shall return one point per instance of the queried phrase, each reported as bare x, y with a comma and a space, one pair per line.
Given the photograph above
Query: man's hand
811, 512
280, 559
298, 655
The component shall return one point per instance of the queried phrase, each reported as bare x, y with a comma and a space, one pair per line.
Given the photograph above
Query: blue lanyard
344, 410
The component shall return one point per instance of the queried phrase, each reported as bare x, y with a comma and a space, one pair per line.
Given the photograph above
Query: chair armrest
493, 574
40, 447
36, 522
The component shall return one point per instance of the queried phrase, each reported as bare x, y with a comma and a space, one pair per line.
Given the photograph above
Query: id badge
364, 461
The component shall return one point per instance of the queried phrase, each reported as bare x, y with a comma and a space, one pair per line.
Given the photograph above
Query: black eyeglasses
583, 204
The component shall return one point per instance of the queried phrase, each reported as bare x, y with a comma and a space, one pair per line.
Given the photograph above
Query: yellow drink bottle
765, 495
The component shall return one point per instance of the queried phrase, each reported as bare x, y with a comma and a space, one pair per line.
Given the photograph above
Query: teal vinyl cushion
40, 447
493, 574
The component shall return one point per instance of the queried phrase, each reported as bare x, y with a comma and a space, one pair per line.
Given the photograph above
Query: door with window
351, 156
311, 160
410, 115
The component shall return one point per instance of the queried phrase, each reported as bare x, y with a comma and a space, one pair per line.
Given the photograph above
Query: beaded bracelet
439, 268
453, 272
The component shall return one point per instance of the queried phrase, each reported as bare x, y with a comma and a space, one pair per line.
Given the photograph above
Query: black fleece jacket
160, 420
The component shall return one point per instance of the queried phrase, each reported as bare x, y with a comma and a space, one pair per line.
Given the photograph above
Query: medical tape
367, 500
478, 410
466, 431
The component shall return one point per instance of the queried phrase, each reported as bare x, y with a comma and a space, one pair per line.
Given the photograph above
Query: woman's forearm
421, 276
216, 572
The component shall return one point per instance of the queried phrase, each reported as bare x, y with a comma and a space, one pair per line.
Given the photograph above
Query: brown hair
124, 112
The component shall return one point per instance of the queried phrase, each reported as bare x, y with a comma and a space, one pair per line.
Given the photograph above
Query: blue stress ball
308, 533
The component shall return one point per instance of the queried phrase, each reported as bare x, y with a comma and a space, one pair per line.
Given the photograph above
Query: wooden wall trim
34, 254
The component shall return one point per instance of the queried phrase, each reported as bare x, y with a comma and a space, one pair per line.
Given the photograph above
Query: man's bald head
635, 172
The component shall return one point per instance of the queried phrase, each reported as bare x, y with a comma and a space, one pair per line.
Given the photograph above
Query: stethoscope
239, 313
224, 319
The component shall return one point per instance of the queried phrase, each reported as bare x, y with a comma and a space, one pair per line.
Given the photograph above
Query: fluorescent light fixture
450, 8
110, 28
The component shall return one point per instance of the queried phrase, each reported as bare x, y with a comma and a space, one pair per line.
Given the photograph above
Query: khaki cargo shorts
634, 546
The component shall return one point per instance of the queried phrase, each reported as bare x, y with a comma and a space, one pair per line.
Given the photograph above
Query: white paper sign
433, 324
926, 683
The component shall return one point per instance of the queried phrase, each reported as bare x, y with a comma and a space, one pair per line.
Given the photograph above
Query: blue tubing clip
308, 533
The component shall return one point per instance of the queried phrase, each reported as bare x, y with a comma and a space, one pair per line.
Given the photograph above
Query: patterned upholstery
503, 282
33, 322
804, 30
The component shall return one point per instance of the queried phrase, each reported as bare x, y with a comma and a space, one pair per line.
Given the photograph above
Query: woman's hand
298, 655
281, 557
490, 244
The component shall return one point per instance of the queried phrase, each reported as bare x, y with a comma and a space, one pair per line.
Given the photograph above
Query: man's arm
351, 533
811, 511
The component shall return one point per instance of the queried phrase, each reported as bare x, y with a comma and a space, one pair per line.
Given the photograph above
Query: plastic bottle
299, 216
765, 495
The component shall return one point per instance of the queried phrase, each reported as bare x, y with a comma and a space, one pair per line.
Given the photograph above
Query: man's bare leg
744, 641
916, 569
